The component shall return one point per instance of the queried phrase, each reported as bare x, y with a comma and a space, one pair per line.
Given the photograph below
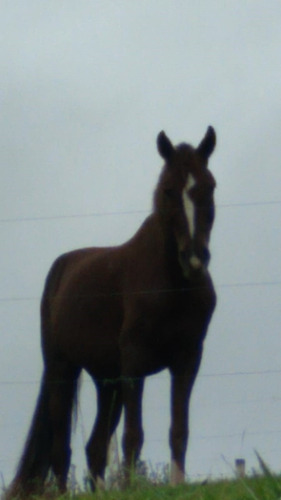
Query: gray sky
85, 88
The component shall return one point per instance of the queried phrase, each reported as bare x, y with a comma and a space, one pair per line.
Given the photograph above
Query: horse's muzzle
194, 262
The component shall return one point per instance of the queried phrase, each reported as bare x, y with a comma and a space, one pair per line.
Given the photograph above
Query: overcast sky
85, 88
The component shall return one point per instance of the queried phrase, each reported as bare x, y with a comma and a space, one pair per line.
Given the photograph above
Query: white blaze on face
189, 210
188, 204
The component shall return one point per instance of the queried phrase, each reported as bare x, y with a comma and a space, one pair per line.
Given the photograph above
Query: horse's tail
35, 461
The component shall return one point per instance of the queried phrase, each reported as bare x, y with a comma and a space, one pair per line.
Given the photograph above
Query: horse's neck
156, 236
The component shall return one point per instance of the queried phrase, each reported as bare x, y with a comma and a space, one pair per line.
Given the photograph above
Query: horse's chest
159, 326
182, 324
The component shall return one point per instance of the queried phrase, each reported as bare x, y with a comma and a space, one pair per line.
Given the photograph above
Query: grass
251, 489
265, 487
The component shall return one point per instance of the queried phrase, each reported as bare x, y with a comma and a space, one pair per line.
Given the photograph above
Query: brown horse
123, 313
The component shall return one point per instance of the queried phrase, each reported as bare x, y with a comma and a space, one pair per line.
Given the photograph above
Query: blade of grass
268, 474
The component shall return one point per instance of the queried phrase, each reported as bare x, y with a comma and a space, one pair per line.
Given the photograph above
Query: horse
123, 313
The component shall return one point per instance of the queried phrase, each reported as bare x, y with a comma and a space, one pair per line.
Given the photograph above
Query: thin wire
71, 216
250, 284
249, 204
223, 436
162, 377
148, 292
240, 373
127, 212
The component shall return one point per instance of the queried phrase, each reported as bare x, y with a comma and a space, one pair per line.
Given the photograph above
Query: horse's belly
88, 335
98, 354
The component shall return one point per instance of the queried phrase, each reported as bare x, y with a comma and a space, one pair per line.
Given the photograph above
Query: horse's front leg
133, 431
182, 379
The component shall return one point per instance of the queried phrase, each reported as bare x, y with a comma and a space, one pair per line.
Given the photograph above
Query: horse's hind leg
62, 380
109, 400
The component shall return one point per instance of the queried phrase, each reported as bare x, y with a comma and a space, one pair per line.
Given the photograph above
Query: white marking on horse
188, 204
195, 262
177, 475
189, 210
100, 483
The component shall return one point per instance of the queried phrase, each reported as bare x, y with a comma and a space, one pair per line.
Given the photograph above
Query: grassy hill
256, 488
266, 486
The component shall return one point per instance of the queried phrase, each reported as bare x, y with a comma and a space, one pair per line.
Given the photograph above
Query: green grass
266, 487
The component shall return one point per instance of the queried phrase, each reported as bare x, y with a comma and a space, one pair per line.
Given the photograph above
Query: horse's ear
207, 145
164, 145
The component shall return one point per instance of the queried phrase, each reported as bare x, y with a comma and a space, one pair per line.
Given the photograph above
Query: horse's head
185, 199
